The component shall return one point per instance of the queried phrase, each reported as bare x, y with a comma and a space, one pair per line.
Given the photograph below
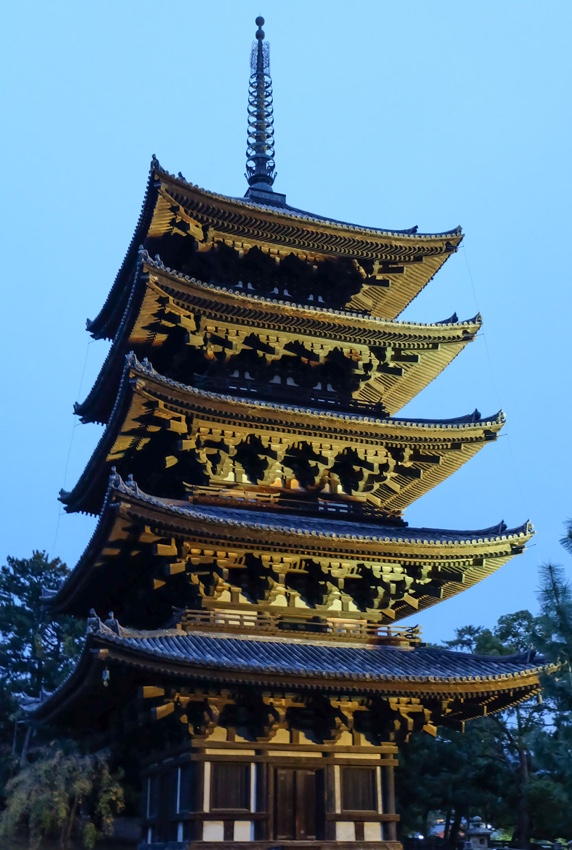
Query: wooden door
296, 805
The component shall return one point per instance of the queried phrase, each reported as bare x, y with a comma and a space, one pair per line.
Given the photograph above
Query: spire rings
260, 164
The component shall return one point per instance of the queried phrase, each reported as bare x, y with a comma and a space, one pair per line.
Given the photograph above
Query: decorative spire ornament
260, 171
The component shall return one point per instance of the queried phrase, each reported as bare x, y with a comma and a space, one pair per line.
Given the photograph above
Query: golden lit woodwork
251, 550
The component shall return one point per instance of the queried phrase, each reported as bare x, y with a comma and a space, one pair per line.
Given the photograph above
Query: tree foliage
554, 633
54, 788
553, 743
514, 769
62, 794
36, 649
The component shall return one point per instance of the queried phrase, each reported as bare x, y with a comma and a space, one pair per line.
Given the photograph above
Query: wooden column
390, 780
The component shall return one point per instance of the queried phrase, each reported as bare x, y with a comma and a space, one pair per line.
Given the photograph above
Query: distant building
250, 485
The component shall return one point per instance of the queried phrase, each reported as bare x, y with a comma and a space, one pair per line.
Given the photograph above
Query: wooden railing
285, 394
297, 503
359, 631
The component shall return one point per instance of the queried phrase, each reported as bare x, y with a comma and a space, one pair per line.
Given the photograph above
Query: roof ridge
300, 215
291, 666
156, 262
146, 368
130, 488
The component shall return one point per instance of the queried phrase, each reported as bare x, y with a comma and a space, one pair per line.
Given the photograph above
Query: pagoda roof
207, 215
157, 291
471, 685
130, 520
154, 287
147, 402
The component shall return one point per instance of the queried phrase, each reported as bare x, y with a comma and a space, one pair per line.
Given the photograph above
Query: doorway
298, 804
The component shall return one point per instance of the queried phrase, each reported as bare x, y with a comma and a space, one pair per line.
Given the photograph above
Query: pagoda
250, 484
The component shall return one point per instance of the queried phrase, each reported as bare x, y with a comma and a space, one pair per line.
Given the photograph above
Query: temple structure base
211, 792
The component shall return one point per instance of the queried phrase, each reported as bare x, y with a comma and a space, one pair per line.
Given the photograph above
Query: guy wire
74, 426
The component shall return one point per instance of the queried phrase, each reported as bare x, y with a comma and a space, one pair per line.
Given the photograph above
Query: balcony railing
298, 503
335, 629
287, 394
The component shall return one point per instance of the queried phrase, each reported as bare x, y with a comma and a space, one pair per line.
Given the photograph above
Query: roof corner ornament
93, 625
112, 623
260, 171
131, 485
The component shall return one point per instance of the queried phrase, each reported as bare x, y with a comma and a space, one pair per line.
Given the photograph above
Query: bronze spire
260, 171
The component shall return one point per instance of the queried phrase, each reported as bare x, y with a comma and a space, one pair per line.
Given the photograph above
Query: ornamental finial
260, 171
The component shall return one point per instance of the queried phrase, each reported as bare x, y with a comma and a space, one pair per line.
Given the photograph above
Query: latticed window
230, 786
359, 793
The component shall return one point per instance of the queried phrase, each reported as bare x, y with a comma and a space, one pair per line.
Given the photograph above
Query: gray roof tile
327, 661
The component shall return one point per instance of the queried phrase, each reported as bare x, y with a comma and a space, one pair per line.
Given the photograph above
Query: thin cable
515, 467
74, 426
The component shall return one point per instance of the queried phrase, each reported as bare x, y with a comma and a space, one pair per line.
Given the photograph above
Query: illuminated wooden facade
250, 484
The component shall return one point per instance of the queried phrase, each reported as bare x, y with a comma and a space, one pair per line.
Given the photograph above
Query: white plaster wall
345, 830
371, 832
213, 830
243, 830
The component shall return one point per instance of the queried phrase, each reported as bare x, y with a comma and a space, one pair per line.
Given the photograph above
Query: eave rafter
271, 347
406, 258
367, 719
393, 267
205, 558
383, 696
175, 439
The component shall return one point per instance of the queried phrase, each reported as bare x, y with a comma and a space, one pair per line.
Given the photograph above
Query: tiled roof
435, 338
236, 213
471, 431
322, 314
300, 215
313, 659
317, 526
292, 664
474, 418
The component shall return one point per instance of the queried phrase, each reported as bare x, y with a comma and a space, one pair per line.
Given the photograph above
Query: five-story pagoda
250, 484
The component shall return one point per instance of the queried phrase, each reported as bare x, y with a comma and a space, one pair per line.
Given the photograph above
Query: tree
505, 767
55, 783
62, 794
554, 639
554, 632
457, 775
36, 649
516, 726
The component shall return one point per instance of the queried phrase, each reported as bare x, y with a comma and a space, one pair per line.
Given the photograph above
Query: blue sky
387, 114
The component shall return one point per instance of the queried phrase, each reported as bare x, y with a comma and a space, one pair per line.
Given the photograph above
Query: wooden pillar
263, 801
391, 826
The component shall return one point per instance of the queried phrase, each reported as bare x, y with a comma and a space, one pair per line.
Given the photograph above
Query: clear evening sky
388, 114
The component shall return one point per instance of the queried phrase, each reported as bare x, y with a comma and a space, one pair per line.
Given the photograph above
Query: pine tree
36, 649
554, 639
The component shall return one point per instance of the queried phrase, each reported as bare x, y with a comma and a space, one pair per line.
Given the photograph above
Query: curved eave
240, 217
132, 666
437, 343
126, 503
141, 384
226, 208
271, 313
404, 262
